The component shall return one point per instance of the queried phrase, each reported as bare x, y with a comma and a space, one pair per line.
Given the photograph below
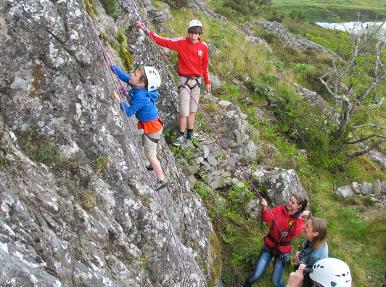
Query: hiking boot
160, 184
179, 141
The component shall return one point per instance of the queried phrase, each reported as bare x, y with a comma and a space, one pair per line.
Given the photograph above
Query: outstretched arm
164, 42
122, 75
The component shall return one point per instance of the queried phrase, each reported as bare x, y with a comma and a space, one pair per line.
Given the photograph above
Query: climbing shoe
149, 167
160, 184
191, 136
179, 141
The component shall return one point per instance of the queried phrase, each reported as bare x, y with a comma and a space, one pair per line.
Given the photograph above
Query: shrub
303, 68
259, 90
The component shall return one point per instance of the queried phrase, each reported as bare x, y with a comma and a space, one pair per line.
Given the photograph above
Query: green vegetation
124, 53
331, 11
101, 163
298, 137
111, 7
39, 148
88, 199
91, 8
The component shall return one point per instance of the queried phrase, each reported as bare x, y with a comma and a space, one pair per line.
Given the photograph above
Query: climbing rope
217, 136
119, 88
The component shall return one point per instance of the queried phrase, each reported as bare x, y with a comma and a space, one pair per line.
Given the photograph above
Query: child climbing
144, 82
192, 66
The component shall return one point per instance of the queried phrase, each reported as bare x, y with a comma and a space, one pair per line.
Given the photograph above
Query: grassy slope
333, 10
355, 235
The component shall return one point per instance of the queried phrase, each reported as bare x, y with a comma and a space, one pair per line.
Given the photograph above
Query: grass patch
88, 199
91, 8
39, 148
101, 163
123, 49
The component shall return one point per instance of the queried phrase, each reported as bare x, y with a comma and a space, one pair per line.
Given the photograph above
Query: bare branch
366, 138
366, 150
369, 125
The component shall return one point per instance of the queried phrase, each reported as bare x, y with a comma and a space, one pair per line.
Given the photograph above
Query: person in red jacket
286, 223
192, 67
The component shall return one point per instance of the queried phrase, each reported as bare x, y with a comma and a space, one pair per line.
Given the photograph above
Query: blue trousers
261, 266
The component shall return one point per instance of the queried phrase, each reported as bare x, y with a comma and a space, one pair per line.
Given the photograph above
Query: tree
352, 82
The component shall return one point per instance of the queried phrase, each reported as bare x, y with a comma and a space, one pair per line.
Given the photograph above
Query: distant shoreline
351, 27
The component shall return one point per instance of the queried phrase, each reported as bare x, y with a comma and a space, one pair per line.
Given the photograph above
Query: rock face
291, 40
77, 206
280, 184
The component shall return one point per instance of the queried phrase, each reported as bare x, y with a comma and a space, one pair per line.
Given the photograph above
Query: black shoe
160, 185
149, 168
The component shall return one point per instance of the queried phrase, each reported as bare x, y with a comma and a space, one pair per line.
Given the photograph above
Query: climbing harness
186, 85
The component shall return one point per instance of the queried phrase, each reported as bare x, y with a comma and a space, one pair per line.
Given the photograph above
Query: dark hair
320, 226
302, 200
195, 30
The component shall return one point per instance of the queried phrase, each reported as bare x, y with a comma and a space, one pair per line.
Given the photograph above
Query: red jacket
192, 58
285, 222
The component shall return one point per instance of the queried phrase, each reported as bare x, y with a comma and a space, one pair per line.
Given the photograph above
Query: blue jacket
142, 101
309, 255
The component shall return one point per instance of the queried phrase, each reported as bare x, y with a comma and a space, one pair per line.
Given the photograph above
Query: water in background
354, 27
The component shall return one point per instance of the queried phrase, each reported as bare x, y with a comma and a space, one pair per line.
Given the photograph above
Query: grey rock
215, 82
280, 184
378, 157
356, 187
212, 161
377, 188
366, 188
73, 219
253, 208
383, 187
344, 191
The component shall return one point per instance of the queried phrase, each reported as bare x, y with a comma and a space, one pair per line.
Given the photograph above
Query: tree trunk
343, 120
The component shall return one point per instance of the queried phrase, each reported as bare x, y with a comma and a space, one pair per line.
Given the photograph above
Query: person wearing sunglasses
192, 67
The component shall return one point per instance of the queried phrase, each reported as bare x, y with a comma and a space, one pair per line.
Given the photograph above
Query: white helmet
194, 23
331, 272
153, 78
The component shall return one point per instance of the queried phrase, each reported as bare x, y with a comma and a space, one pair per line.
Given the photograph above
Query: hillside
333, 11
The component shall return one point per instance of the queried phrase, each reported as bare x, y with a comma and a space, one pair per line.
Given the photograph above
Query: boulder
356, 188
377, 188
344, 191
253, 208
366, 188
280, 184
